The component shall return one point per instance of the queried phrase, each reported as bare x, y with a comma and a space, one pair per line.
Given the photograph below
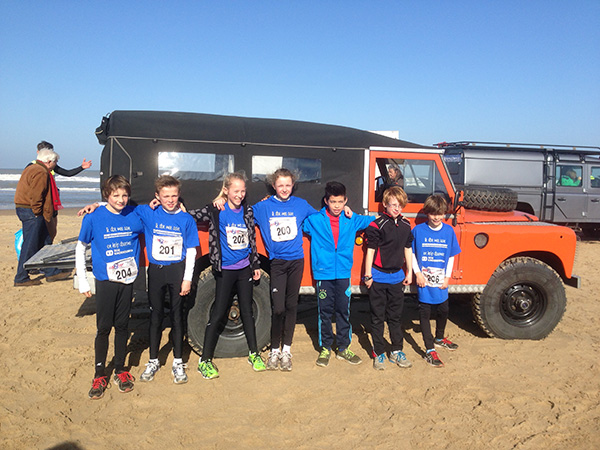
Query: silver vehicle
556, 183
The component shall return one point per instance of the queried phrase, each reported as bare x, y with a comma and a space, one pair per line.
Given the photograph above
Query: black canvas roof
210, 127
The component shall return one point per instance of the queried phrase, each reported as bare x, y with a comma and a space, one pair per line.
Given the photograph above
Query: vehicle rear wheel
524, 299
232, 341
490, 199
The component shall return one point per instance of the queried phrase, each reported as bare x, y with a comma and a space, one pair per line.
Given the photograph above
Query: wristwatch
367, 278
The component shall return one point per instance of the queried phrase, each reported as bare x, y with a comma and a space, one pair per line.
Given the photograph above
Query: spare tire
489, 199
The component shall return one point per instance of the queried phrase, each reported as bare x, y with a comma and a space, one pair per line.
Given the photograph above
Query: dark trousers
113, 305
333, 297
35, 234
386, 301
426, 312
226, 280
286, 277
163, 279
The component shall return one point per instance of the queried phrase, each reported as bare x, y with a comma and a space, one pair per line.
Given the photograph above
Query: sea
75, 192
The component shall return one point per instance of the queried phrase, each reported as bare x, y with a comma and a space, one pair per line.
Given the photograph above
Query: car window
195, 166
569, 175
307, 170
418, 178
595, 177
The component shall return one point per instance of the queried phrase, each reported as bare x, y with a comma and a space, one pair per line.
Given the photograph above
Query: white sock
287, 349
177, 361
155, 361
275, 350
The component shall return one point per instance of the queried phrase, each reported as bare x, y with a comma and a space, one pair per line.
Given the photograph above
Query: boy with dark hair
171, 241
386, 237
434, 247
332, 246
113, 232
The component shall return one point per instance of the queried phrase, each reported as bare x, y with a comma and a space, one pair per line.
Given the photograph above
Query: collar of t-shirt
438, 228
335, 226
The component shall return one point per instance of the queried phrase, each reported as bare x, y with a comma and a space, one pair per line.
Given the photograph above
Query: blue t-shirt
168, 236
280, 226
115, 243
432, 250
233, 234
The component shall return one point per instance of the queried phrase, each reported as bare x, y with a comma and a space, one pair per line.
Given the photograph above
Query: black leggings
226, 280
441, 317
160, 280
113, 305
286, 277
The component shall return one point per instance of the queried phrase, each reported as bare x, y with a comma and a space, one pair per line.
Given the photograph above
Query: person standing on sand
35, 207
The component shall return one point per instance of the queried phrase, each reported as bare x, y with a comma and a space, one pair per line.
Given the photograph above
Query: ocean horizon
75, 192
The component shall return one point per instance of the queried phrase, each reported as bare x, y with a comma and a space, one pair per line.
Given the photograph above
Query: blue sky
511, 71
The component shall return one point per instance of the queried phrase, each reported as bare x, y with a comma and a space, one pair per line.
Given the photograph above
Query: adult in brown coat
35, 209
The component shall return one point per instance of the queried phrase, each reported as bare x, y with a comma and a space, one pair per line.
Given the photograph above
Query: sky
482, 70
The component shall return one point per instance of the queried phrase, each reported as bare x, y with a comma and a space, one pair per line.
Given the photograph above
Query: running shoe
179, 375
99, 385
151, 368
208, 369
124, 381
349, 356
399, 358
273, 360
433, 359
257, 363
323, 359
445, 343
285, 362
379, 362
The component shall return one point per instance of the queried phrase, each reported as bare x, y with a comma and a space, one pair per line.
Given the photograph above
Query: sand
491, 394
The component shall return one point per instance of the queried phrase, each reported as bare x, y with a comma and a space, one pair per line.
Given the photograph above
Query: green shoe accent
256, 362
349, 356
323, 359
208, 369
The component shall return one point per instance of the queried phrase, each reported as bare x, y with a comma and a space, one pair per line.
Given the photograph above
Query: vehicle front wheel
524, 299
232, 341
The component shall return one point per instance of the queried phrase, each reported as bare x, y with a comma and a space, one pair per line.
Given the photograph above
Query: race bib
434, 276
167, 248
124, 271
237, 238
283, 228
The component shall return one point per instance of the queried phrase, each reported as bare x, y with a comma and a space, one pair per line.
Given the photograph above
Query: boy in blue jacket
332, 246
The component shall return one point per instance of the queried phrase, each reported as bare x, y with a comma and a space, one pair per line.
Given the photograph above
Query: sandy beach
491, 394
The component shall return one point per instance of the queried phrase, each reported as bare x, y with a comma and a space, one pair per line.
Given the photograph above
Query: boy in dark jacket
332, 246
386, 237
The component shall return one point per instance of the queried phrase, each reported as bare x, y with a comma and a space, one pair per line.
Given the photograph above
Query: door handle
595, 200
561, 199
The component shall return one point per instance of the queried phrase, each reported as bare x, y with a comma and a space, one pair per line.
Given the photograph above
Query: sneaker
399, 358
273, 360
99, 385
257, 363
151, 369
379, 362
349, 356
285, 362
323, 359
433, 359
445, 343
179, 375
208, 369
124, 381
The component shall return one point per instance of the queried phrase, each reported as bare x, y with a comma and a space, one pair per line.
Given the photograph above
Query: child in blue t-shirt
434, 249
112, 231
332, 235
171, 241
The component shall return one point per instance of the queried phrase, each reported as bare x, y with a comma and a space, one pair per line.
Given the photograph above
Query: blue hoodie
329, 263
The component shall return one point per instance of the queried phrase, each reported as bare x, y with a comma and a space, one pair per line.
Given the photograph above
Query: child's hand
219, 203
154, 203
256, 275
186, 286
88, 209
88, 294
445, 283
408, 279
348, 212
420, 279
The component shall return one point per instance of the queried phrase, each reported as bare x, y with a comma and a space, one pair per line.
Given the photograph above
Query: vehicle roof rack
520, 146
